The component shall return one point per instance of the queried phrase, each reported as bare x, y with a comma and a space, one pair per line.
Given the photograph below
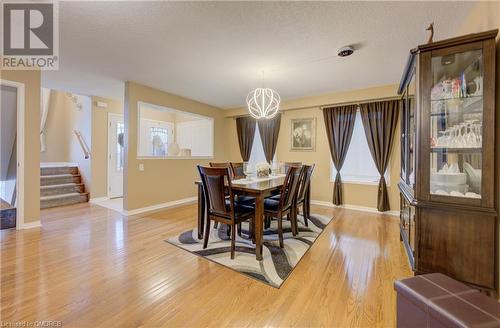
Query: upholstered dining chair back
222, 164
305, 179
214, 181
287, 165
290, 187
237, 168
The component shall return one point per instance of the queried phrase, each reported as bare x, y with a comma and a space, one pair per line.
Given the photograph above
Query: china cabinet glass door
411, 104
403, 139
456, 124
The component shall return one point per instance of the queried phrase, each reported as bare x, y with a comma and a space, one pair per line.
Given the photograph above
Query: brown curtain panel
339, 124
269, 130
379, 122
245, 127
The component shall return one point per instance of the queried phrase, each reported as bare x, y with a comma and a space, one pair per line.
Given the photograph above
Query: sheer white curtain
257, 155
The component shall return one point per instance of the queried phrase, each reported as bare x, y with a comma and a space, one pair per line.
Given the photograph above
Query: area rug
277, 263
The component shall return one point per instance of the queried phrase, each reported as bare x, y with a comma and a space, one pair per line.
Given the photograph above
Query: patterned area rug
277, 262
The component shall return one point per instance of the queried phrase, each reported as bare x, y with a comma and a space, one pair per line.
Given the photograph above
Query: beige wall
157, 115
31, 81
57, 129
99, 162
163, 180
322, 187
484, 17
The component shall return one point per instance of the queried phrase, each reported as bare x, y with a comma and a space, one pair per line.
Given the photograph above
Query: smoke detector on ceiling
345, 51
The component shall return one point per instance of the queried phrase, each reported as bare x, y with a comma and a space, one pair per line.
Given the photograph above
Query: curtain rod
364, 101
321, 107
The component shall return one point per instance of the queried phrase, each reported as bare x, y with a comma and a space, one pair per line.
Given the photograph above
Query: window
359, 166
120, 151
154, 137
257, 155
159, 140
169, 133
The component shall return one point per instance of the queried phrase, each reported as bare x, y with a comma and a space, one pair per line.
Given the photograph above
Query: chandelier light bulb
263, 103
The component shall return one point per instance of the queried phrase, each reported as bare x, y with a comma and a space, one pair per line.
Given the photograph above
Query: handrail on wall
83, 144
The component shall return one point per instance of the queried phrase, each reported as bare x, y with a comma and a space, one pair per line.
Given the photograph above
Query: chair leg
280, 231
228, 231
295, 224
252, 230
216, 225
207, 232
233, 237
239, 229
305, 210
267, 222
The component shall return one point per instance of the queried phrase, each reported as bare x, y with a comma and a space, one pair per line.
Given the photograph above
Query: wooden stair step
60, 189
59, 179
55, 170
64, 199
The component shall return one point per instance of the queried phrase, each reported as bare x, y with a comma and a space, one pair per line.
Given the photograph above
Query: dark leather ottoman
435, 300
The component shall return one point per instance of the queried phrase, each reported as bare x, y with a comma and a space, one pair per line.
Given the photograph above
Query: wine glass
246, 168
442, 140
274, 168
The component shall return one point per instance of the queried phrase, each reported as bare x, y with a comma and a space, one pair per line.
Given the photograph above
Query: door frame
20, 150
110, 115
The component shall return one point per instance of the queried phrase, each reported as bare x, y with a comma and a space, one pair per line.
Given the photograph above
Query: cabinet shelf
472, 98
444, 114
469, 105
456, 150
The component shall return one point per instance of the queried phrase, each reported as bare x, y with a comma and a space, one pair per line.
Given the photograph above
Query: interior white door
116, 155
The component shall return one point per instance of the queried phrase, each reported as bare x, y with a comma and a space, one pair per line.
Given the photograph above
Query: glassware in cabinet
456, 121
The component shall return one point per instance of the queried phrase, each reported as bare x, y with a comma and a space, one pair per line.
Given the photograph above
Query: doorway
11, 155
116, 155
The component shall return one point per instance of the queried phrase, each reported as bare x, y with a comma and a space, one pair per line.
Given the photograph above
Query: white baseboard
98, 199
172, 204
354, 207
30, 225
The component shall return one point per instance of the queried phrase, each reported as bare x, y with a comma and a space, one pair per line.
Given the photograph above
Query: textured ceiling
214, 52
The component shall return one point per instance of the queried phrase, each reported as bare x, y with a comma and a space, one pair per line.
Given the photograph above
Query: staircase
60, 186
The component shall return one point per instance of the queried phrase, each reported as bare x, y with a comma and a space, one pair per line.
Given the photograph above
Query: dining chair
215, 182
274, 208
286, 165
302, 199
238, 173
223, 165
237, 168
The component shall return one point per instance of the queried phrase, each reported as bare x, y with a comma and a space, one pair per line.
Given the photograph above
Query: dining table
259, 188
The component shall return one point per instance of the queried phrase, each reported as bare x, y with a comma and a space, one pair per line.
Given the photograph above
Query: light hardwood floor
92, 267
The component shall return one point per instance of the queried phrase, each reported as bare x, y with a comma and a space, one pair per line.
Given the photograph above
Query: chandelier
263, 103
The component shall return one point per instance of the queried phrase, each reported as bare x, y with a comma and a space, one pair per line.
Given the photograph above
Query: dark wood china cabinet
449, 174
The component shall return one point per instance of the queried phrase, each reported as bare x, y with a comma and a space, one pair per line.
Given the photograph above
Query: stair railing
83, 144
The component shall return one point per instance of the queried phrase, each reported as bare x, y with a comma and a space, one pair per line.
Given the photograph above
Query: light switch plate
141, 167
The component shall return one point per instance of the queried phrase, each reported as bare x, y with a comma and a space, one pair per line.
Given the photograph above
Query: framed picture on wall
303, 134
